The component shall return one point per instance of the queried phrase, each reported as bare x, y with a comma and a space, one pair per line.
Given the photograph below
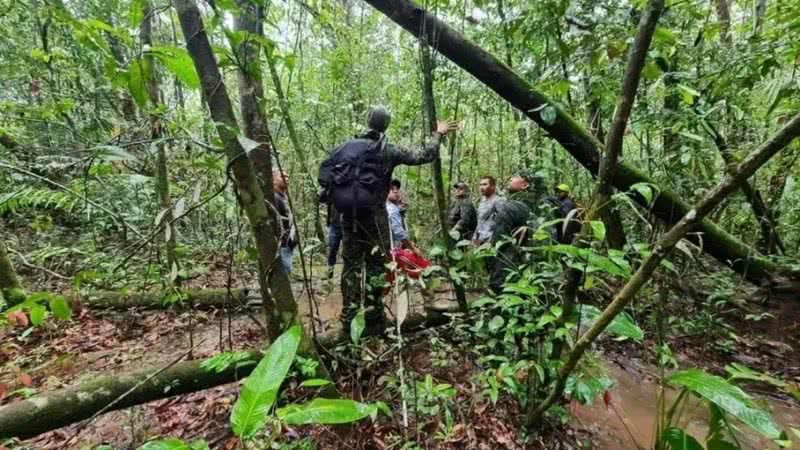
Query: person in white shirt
487, 210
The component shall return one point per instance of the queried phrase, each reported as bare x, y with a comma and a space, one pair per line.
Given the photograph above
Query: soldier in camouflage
366, 238
517, 219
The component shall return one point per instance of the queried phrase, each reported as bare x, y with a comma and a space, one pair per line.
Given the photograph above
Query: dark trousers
508, 260
334, 240
365, 245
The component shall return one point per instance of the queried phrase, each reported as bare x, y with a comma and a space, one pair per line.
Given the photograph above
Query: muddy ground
103, 343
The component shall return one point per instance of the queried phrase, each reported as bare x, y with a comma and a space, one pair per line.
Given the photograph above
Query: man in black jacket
366, 235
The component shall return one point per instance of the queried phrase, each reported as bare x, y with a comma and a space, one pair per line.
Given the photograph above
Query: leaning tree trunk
667, 206
729, 184
50, 410
251, 198
205, 298
162, 177
255, 128
436, 168
283, 103
10, 288
612, 153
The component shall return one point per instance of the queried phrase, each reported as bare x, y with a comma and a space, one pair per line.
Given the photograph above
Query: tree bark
436, 168
255, 128
730, 183
667, 206
251, 197
56, 409
770, 241
10, 287
283, 103
724, 17
162, 174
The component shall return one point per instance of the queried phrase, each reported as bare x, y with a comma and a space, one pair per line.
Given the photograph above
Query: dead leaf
3, 393
19, 318
25, 379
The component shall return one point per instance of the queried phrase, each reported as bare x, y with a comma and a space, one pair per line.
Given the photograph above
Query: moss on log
205, 298
51, 410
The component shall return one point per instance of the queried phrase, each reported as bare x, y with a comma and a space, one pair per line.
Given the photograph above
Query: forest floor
106, 342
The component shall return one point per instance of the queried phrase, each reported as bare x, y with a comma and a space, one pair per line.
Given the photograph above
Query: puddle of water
633, 400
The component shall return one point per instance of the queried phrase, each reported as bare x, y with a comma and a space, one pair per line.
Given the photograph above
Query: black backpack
353, 177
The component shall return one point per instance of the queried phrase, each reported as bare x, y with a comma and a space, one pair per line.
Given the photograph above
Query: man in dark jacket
515, 224
280, 184
366, 237
462, 217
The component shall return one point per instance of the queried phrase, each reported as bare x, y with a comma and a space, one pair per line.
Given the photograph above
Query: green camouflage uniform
366, 239
462, 217
519, 217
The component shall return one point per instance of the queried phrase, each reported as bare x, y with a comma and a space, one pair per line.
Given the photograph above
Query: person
408, 257
462, 217
334, 222
404, 203
487, 210
564, 208
280, 184
356, 178
512, 221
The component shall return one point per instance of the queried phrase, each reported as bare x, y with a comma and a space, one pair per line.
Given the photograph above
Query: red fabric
408, 264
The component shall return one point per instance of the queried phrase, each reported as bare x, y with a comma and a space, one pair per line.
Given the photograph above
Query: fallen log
202, 299
51, 410
667, 206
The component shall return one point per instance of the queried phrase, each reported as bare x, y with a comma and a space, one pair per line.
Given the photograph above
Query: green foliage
357, 326
222, 361
727, 397
326, 411
622, 325
175, 444
29, 197
178, 61
38, 304
250, 413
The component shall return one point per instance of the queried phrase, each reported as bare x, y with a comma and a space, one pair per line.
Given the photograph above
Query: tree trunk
298, 148
251, 197
661, 250
255, 128
205, 298
770, 241
10, 287
667, 206
162, 177
724, 17
51, 410
436, 167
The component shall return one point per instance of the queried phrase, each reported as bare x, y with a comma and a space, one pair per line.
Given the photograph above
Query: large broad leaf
677, 439
622, 325
261, 388
60, 308
138, 73
179, 62
728, 397
357, 326
325, 411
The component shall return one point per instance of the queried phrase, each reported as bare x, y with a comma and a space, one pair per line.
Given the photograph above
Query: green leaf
316, 382
325, 411
622, 325
496, 323
599, 230
728, 397
179, 62
677, 439
645, 190
357, 326
136, 13
548, 114
165, 444
37, 314
260, 389
456, 254
248, 144
60, 308
137, 81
